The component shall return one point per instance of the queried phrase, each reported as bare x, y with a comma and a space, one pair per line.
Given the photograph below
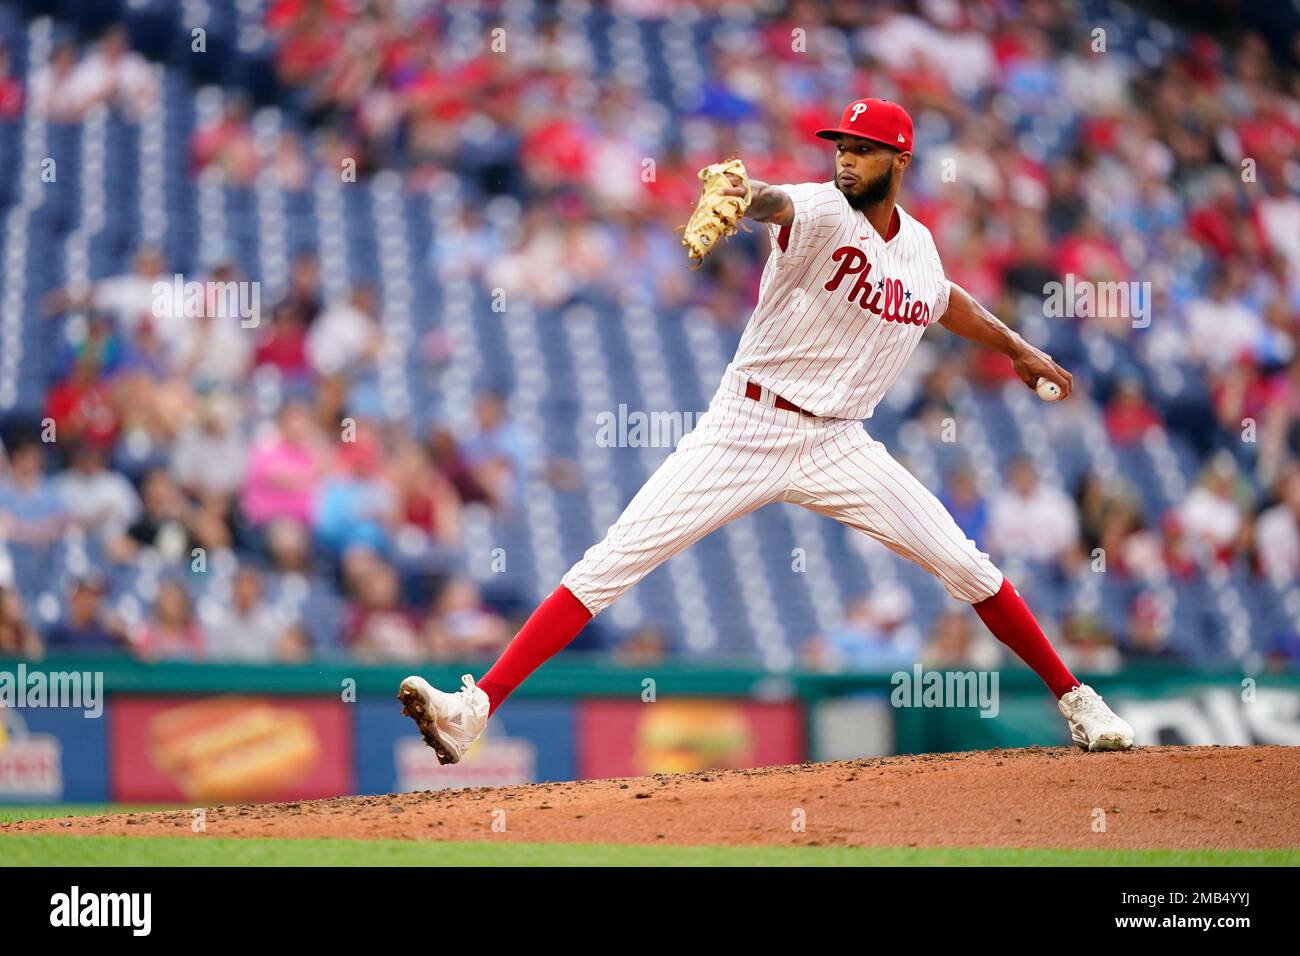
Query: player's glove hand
720, 207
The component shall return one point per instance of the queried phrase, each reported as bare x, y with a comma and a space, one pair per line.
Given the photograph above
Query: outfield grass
49, 850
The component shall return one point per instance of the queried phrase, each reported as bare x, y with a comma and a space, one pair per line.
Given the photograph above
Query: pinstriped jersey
840, 309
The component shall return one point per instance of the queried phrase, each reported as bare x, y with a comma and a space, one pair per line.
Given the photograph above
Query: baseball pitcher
851, 284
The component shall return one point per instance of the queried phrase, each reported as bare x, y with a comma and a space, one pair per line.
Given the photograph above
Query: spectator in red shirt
1088, 253
1217, 222
283, 15
312, 43
1128, 414
82, 406
448, 458
11, 90
555, 152
284, 346
227, 145
427, 502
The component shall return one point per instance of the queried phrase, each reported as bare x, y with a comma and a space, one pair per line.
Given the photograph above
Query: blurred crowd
1038, 156
155, 453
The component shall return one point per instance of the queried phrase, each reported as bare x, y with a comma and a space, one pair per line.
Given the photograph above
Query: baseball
1048, 391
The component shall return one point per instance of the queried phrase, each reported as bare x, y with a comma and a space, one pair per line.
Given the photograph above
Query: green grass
43, 850
195, 850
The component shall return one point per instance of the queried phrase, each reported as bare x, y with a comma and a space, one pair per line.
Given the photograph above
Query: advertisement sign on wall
52, 754
529, 741
1168, 712
1226, 715
853, 726
623, 738
229, 749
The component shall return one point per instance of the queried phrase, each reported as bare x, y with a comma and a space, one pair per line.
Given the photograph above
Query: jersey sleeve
816, 209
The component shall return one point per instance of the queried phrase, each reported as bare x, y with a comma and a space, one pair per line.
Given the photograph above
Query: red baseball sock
547, 631
1012, 623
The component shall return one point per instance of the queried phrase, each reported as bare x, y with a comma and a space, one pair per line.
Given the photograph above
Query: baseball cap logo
877, 120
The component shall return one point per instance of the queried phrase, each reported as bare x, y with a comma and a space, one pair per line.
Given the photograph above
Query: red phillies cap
877, 120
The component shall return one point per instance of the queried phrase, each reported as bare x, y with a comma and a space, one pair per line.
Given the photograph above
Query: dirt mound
1180, 797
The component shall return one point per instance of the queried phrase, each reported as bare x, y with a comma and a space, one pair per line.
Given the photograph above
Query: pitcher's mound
1175, 797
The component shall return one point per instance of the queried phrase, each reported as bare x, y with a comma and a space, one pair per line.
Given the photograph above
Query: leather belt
754, 392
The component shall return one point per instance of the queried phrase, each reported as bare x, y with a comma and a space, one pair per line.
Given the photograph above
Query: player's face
865, 171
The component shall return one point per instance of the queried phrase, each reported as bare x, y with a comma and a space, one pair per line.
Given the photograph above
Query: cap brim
832, 133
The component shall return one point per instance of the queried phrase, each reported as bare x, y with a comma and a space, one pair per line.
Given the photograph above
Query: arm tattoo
767, 203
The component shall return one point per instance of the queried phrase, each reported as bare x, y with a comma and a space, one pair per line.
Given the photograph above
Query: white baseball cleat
1093, 725
449, 723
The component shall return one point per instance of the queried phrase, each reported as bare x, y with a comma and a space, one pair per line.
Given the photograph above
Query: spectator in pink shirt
284, 471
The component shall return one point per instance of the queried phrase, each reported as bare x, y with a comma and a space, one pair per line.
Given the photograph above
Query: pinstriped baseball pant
744, 454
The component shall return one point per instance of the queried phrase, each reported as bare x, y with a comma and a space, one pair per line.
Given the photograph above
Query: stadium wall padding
206, 734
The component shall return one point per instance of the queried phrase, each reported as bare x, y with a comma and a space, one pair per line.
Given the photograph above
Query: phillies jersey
840, 309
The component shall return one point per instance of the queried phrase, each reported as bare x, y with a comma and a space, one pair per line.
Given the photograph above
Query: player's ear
903, 160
